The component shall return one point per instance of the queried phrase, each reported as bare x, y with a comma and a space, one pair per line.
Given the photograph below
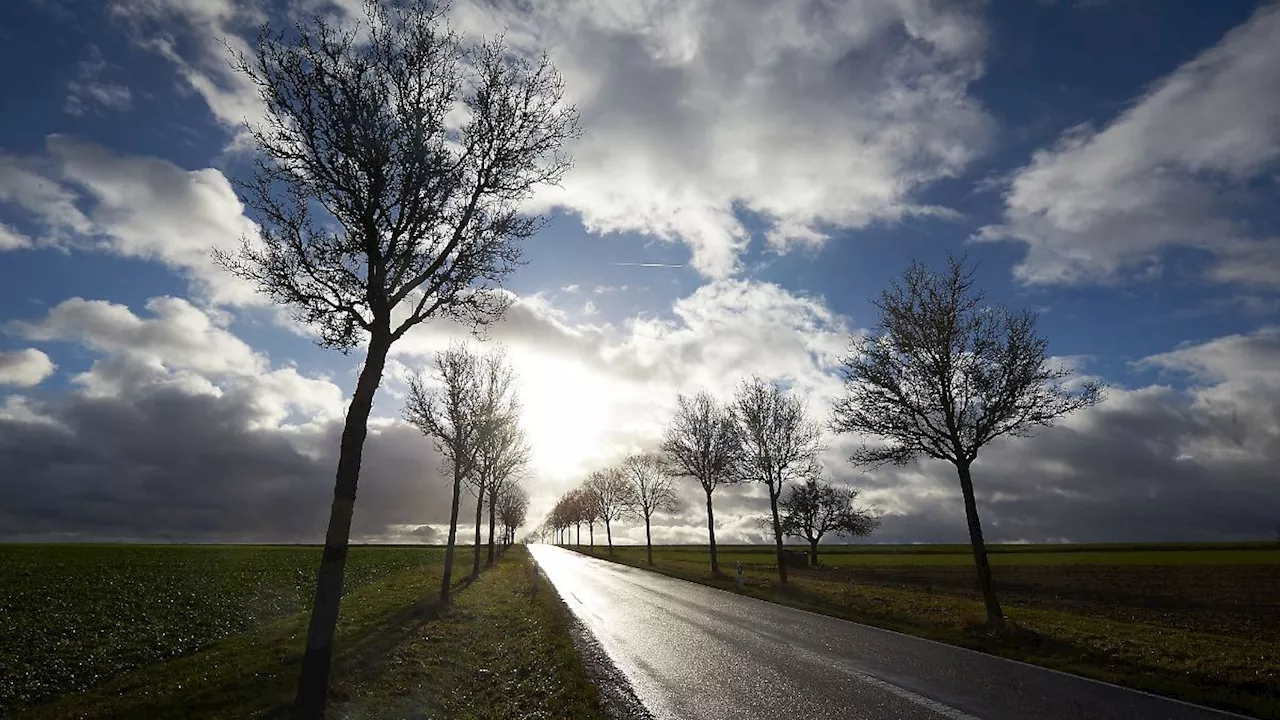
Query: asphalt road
691, 652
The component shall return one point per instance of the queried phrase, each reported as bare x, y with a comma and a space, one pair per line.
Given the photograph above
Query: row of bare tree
392, 163
763, 435
639, 487
470, 410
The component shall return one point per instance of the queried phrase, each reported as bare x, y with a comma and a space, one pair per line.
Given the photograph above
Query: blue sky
1111, 164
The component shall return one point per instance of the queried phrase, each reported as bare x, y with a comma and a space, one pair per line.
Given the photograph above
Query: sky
750, 176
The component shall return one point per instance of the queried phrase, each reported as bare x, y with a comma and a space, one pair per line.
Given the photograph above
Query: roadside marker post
739, 574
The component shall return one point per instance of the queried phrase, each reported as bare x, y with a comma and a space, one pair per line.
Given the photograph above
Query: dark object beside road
795, 558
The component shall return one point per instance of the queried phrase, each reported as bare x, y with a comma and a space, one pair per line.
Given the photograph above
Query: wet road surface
694, 652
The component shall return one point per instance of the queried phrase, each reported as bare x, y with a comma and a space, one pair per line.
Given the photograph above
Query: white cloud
190, 34
11, 239
25, 183
592, 393
25, 368
1172, 170
88, 91
178, 334
1235, 380
807, 114
181, 347
84, 196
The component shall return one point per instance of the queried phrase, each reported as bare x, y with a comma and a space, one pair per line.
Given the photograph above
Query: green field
74, 615
1196, 621
115, 631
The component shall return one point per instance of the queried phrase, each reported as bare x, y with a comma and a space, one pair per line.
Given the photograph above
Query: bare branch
367, 191
702, 442
946, 374
651, 488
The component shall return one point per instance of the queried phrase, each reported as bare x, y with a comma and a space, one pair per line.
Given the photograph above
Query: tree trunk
493, 511
591, 535
453, 535
995, 617
777, 534
609, 534
577, 530
313, 682
711, 533
648, 539
813, 553
475, 561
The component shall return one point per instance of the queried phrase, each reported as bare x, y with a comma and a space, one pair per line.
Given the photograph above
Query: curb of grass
1216, 703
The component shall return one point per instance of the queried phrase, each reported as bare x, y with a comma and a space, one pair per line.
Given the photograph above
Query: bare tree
589, 506
505, 458
499, 420
944, 375
567, 515
613, 497
559, 518
702, 443
452, 414
817, 508
651, 490
779, 444
376, 205
580, 507
513, 506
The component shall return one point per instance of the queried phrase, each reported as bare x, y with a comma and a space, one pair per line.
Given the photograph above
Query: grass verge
500, 651
1233, 673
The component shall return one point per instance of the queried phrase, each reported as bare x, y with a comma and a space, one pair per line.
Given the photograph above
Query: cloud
11, 239
178, 335
808, 115
25, 184
180, 431
1151, 463
25, 368
83, 196
164, 463
595, 392
191, 35
1182, 167
89, 92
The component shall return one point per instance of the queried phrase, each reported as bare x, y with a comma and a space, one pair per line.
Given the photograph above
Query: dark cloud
166, 464
1153, 465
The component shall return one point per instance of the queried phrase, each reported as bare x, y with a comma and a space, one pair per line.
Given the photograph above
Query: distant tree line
762, 435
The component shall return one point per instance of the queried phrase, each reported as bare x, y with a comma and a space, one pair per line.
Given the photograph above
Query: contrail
628, 264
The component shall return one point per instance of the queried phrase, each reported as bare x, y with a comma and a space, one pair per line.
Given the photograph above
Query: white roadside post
739, 574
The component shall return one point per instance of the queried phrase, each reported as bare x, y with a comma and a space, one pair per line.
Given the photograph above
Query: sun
569, 413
